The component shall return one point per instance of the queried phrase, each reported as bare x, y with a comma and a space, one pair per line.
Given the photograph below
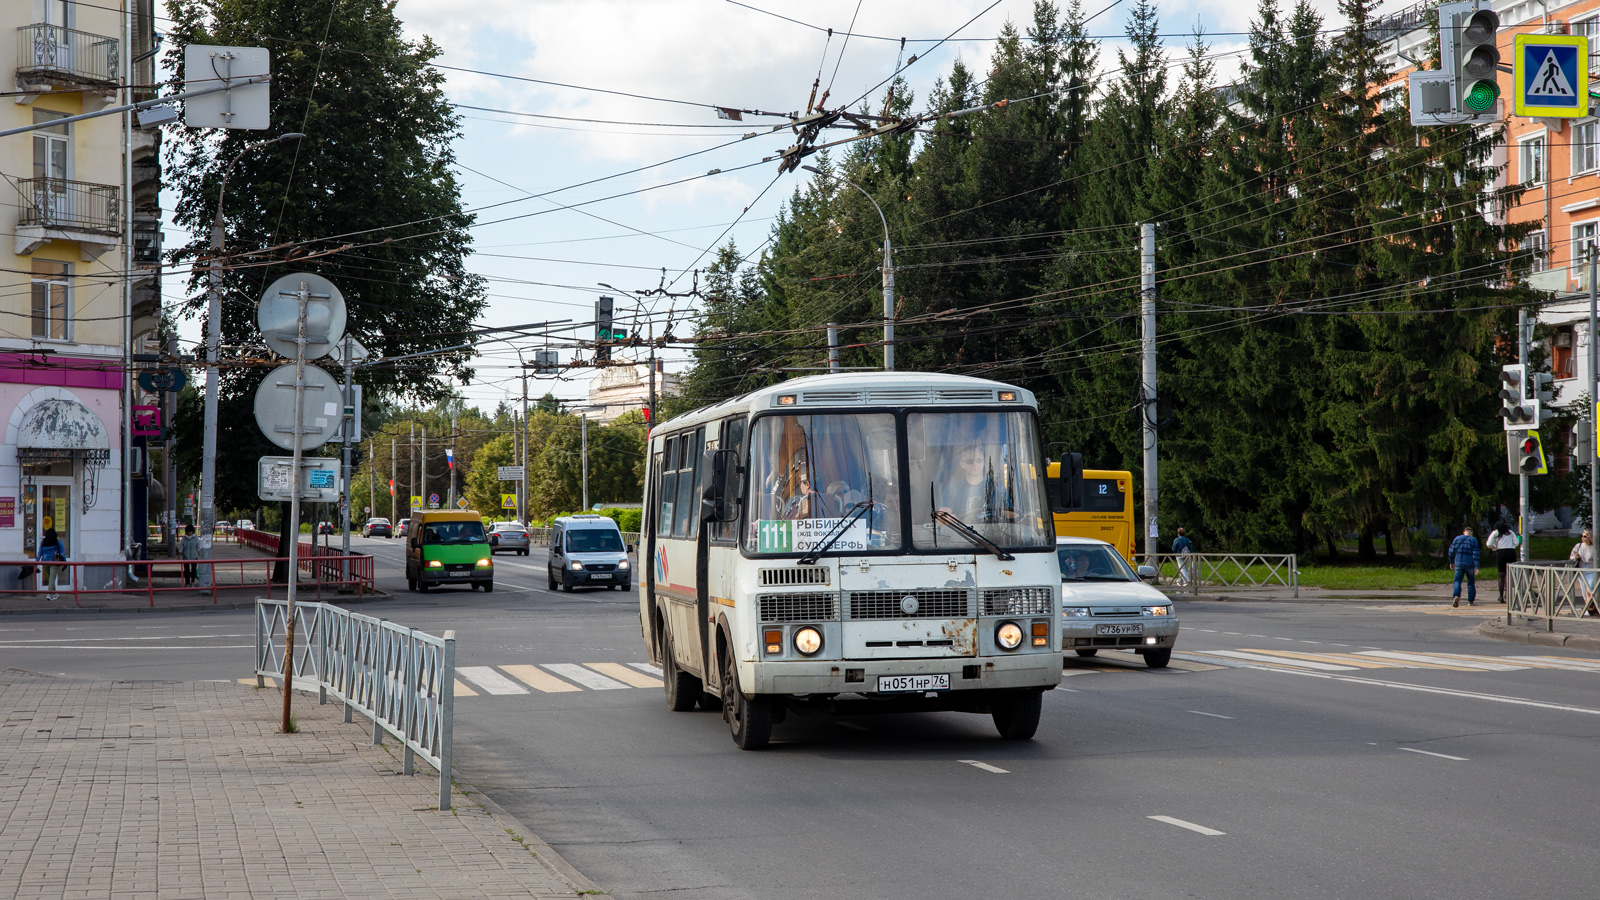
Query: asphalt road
1305, 750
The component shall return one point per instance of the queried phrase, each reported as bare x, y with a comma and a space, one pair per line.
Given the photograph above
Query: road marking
152, 637
1262, 657
461, 689
1418, 657
1431, 753
1346, 659
1494, 698
575, 672
1212, 715
1582, 665
625, 675
540, 680
984, 766
646, 667
491, 681
1189, 825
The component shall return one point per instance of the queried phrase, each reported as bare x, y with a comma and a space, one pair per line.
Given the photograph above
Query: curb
580, 882
350, 600
1498, 630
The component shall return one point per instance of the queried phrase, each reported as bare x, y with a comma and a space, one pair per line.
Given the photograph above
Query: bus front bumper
861, 676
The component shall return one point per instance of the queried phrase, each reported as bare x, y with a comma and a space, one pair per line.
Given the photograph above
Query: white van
588, 550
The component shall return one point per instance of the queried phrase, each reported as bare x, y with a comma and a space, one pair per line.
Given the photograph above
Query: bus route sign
800, 535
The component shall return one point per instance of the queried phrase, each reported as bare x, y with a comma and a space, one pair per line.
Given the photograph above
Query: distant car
1105, 604
325, 528
508, 536
402, 528
245, 525
377, 527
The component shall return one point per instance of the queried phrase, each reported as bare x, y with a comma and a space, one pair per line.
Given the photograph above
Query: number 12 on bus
867, 543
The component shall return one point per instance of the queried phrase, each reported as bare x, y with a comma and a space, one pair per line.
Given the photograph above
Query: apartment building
64, 318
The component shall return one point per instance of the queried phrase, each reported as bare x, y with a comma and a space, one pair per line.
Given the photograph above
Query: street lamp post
888, 271
208, 461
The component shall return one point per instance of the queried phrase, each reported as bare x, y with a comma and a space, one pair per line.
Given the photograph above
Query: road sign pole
348, 412
1523, 511
302, 297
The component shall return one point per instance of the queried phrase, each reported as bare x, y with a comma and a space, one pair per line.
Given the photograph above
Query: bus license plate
890, 684
1119, 629
600, 576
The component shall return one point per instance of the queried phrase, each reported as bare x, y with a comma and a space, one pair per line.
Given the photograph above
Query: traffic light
1538, 396
1513, 391
1530, 455
602, 328
1583, 443
546, 362
1467, 38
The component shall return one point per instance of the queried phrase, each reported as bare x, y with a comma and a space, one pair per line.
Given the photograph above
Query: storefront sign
8, 512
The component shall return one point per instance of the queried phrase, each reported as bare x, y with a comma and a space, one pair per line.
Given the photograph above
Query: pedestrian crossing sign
1550, 75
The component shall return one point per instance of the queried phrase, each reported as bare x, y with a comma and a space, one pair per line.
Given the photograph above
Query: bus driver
970, 492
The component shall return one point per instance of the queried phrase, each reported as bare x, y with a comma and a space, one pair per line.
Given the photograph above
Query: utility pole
349, 413
652, 423
394, 484
454, 430
1147, 387
423, 493
1594, 399
1523, 513
372, 475
585, 427
411, 457
522, 432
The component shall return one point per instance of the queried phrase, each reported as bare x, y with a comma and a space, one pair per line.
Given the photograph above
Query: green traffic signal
1481, 97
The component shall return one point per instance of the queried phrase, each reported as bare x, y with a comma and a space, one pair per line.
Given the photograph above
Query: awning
62, 425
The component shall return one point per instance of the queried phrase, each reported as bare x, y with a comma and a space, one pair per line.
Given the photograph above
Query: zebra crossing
545, 678
1355, 661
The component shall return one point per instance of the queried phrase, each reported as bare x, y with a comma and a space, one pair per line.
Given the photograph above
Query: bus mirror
1070, 484
721, 469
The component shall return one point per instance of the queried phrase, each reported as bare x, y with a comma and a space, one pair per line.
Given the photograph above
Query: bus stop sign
1550, 76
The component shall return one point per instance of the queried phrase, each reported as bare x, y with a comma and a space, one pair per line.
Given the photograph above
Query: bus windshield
983, 469
808, 473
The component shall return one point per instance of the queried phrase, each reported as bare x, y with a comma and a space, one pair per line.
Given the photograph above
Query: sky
701, 53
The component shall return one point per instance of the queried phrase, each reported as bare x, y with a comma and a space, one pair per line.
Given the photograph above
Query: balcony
53, 57
55, 209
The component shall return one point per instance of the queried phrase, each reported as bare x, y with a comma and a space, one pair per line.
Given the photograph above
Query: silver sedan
508, 536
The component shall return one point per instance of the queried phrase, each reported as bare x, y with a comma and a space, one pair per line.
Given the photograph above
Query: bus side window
668, 488
687, 511
732, 439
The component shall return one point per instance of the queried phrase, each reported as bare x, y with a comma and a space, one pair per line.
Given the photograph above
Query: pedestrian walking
189, 548
1503, 542
1463, 557
51, 550
1184, 547
1583, 554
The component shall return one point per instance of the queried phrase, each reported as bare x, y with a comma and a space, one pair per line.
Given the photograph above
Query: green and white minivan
448, 548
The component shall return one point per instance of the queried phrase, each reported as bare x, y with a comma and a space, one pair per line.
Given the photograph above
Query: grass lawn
1377, 578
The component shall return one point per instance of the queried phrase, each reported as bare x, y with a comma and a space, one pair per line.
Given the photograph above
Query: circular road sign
278, 316
433, 498
275, 407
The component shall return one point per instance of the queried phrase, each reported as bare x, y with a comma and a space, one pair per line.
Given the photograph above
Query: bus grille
931, 604
796, 575
797, 607
957, 395
1026, 601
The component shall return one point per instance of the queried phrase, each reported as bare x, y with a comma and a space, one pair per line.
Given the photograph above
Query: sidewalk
171, 791
1574, 634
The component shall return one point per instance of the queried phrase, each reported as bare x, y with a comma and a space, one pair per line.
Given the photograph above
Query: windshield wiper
970, 533
833, 535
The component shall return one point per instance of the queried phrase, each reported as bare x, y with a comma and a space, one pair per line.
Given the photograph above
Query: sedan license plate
889, 684
600, 576
1119, 629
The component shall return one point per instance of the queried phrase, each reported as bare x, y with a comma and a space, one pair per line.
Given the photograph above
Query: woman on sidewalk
1583, 553
50, 550
1502, 542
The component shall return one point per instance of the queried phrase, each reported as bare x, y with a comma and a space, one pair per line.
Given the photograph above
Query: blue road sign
1550, 75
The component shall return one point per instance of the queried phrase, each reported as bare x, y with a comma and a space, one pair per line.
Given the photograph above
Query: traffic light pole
1522, 479
1594, 400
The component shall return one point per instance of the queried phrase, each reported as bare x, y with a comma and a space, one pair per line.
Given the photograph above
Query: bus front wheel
750, 720
1016, 717
683, 689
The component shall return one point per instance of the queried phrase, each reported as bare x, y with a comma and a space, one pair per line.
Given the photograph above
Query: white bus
855, 543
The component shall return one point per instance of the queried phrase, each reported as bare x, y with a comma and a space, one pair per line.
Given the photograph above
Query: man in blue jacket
1463, 557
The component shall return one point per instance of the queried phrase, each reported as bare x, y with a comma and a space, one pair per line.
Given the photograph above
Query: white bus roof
867, 389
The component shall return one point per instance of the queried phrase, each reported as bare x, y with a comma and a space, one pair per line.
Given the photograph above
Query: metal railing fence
400, 678
194, 576
1550, 592
60, 203
56, 51
1248, 571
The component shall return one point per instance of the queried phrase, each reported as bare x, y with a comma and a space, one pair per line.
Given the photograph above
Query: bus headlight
1008, 635
808, 641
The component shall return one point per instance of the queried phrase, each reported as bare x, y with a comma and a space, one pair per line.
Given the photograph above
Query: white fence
1236, 571
400, 678
1549, 592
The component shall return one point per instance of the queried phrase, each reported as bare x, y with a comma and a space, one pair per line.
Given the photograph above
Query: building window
1534, 245
52, 300
1531, 157
1590, 28
1585, 147
1561, 344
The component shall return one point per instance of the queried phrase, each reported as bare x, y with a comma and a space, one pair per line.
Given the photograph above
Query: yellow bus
1106, 513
